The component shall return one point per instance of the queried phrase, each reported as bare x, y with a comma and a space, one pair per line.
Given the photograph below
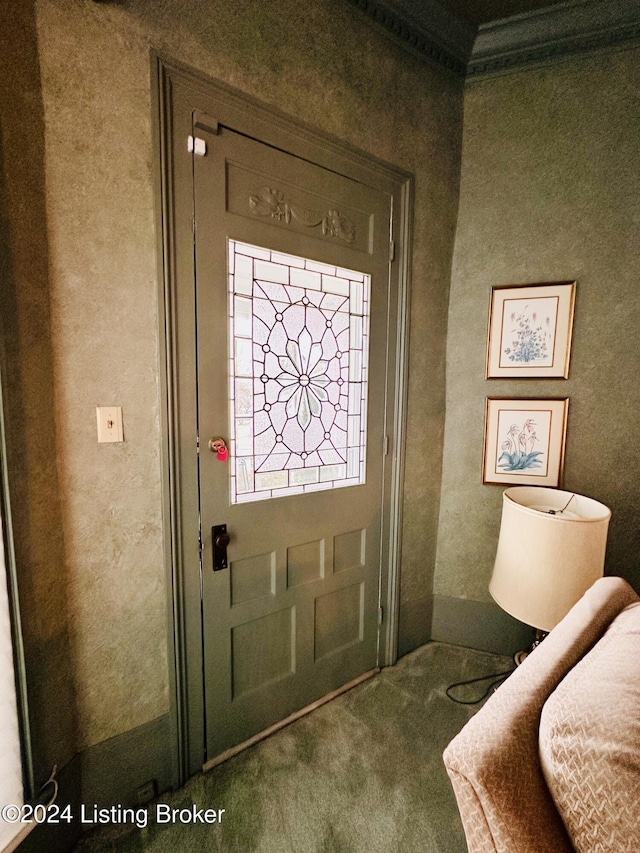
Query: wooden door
291, 319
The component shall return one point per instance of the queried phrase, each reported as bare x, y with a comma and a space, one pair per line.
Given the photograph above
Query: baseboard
112, 772
414, 629
477, 625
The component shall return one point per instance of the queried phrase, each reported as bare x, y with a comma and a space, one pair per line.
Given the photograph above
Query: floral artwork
524, 441
521, 448
530, 330
303, 379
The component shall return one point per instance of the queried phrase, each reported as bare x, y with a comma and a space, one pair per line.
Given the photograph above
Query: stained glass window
299, 333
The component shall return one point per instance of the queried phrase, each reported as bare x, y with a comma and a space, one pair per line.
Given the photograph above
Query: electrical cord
41, 799
498, 678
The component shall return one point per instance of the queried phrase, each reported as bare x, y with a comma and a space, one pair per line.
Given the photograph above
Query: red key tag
218, 446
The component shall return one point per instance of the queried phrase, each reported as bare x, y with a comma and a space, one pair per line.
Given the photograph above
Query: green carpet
362, 774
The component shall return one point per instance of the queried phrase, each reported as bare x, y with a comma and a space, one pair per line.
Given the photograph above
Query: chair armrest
494, 762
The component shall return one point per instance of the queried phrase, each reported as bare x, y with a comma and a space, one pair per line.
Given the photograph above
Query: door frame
184, 617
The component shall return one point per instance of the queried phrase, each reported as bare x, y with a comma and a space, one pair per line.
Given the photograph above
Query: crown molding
548, 35
529, 40
446, 42
431, 18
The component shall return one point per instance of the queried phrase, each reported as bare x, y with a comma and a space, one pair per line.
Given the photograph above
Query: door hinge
392, 251
195, 145
380, 615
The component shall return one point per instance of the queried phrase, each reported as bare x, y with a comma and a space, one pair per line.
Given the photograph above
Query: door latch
220, 539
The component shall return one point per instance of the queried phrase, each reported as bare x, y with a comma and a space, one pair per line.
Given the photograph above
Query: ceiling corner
537, 36
554, 33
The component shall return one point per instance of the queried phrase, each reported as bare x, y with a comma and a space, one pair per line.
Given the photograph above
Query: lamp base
520, 656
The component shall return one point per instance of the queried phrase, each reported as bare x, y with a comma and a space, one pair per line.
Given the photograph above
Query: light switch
109, 424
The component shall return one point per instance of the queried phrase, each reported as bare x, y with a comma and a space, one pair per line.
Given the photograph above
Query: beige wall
550, 191
28, 378
87, 102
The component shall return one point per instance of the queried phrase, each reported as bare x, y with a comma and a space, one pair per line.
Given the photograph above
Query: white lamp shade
545, 562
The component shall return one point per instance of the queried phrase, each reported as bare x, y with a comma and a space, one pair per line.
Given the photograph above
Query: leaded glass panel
299, 333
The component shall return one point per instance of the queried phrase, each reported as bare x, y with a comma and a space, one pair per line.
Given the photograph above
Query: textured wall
550, 191
321, 61
28, 378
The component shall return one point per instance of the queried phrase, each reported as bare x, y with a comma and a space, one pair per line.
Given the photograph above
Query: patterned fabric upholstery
590, 742
493, 763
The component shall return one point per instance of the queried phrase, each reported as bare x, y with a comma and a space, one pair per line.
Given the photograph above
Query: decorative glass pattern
299, 333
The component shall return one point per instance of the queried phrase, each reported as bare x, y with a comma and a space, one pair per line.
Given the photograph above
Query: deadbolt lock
219, 447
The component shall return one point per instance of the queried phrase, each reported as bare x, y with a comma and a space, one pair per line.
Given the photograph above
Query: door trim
183, 599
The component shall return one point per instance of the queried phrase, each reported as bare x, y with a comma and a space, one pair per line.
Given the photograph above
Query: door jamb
186, 708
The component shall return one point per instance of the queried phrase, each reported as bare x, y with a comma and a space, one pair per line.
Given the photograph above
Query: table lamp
551, 549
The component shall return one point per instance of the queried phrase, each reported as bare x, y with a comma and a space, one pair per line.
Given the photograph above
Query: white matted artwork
530, 330
524, 441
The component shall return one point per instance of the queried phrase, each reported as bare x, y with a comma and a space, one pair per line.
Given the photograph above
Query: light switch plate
109, 424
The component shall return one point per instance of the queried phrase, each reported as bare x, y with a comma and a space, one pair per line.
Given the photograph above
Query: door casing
175, 251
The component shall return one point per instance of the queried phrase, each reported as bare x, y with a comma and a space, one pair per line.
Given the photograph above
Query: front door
292, 300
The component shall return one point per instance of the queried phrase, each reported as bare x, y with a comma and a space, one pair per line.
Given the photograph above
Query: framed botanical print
530, 330
524, 441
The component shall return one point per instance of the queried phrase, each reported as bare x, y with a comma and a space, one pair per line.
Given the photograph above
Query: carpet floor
361, 774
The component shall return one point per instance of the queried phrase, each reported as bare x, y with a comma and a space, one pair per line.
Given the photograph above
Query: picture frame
524, 441
530, 329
